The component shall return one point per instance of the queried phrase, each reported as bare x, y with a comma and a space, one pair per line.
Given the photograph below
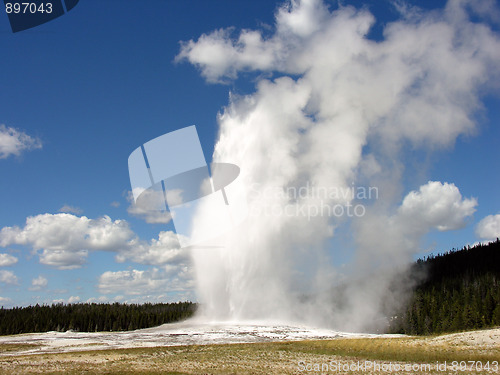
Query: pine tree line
91, 317
461, 292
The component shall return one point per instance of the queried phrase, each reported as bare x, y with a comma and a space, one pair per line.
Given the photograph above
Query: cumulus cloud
338, 107
436, 205
14, 142
101, 299
8, 277
489, 228
165, 249
63, 259
68, 232
38, 283
148, 210
64, 241
71, 209
7, 260
153, 281
74, 299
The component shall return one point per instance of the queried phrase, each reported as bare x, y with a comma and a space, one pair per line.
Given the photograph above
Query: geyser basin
185, 333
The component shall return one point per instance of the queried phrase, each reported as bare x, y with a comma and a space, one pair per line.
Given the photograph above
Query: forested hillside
461, 291
91, 317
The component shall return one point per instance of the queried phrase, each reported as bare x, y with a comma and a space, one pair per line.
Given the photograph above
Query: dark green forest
460, 291
91, 317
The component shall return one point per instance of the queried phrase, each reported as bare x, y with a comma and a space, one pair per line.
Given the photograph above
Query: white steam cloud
340, 109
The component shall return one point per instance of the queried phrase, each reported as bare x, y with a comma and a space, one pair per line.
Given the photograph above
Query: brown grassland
293, 357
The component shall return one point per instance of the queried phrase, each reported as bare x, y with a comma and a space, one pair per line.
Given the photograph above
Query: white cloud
100, 299
152, 281
489, 228
436, 205
14, 142
133, 282
64, 240
7, 260
5, 300
38, 283
68, 232
71, 209
166, 249
8, 277
115, 204
63, 259
151, 207
74, 299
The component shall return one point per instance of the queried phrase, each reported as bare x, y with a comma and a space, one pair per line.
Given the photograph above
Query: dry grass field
462, 353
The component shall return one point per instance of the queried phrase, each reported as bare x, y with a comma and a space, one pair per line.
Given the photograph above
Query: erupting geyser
336, 108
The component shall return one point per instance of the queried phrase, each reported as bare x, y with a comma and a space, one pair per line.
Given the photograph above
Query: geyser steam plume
336, 110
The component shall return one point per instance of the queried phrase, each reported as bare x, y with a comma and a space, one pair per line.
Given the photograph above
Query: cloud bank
64, 241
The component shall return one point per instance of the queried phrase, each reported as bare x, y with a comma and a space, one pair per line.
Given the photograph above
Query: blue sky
91, 86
